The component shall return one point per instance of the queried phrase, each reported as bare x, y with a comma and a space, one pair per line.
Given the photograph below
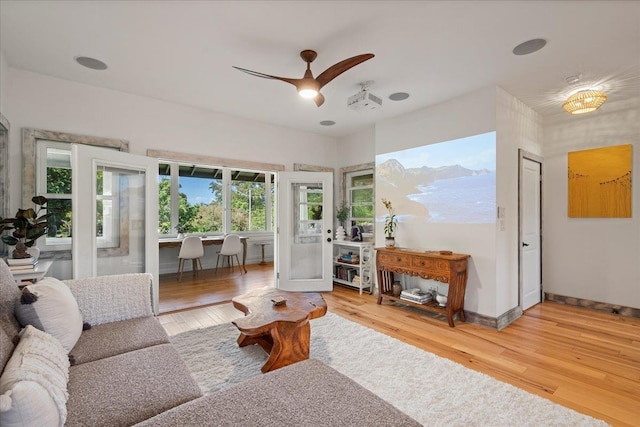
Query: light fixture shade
584, 101
308, 93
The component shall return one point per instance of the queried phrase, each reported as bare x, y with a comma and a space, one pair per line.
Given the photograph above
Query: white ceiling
182, 51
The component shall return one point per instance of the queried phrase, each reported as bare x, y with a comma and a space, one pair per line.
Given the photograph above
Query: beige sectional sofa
124, 370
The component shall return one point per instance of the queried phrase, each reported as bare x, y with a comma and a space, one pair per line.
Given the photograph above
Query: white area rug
433, 390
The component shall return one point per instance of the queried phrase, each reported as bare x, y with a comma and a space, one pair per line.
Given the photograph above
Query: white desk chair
231, 246
192, 249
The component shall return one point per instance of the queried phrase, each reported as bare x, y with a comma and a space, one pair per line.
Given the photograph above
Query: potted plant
27, 227
342, 213
181, 230
390, 225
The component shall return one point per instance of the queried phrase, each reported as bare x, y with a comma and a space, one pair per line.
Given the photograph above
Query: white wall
356, 149
352, 150
472, 114
592, 258
4, 82
518, 127
43, 102
492, 287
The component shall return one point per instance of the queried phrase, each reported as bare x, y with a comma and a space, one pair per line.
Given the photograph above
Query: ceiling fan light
584, 101
308, 93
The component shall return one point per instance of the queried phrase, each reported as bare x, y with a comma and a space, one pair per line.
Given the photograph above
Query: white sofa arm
106, 299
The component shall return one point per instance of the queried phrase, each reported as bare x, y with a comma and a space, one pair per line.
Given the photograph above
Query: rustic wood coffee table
283, 331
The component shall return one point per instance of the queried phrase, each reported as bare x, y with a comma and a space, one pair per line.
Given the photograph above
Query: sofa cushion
116, 338
50, 306
128, 388
34, 382
106, 299
9, 297
307, 393
6, 348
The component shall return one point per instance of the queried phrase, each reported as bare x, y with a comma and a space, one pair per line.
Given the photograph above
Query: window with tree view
192, 199
54, 182
360, 198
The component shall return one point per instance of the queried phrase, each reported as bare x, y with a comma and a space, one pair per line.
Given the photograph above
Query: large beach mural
447, 182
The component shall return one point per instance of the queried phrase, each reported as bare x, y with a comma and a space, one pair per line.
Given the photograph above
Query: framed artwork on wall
600, 182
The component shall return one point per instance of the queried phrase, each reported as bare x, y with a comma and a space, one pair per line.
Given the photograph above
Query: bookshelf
351, 260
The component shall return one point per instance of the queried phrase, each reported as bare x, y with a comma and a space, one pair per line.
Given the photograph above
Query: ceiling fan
308, 86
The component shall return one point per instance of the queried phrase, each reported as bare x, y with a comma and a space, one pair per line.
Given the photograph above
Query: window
308, 198
108, 208
194, 197
359, 196
248, 201
54, 182
47, 171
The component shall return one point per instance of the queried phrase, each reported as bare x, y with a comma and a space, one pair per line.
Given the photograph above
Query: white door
530, 250
303, 242
114, 214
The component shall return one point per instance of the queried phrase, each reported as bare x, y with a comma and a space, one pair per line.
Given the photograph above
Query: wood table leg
264, 341
290, 345
244, 255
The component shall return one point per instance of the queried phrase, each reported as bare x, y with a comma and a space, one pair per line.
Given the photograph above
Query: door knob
525, 244
328, 239
328, 231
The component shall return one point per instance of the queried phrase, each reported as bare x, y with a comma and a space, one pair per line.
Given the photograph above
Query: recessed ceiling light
398, 96
529, 46
94, 64
327, 123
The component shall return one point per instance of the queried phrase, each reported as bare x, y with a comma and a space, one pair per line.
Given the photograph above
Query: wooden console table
451, 269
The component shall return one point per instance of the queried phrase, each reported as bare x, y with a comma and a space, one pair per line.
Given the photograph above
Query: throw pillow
33, 385
50, 306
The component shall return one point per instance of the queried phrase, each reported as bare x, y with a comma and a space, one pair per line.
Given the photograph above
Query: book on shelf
416, 300
345, 273
414, 296
21, 261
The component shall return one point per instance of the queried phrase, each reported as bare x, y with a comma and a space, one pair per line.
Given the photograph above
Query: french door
305, 231
114, 214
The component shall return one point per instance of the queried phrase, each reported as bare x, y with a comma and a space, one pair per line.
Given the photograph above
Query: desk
41, 270
206, 241
451, 269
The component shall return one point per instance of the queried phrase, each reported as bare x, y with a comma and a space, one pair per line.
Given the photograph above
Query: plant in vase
390, 225
342, 213
27, 227
181, 230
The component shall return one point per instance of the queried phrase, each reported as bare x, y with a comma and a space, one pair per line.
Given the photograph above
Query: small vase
396, 288
340, 233
390, 242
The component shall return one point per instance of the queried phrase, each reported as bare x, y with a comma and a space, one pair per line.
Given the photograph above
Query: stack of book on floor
22, 265
416, 295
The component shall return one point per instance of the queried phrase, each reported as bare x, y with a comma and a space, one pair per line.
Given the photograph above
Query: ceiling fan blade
342, 66
319, 99
294, 82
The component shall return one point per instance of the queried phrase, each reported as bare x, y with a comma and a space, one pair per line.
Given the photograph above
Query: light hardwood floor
585, 360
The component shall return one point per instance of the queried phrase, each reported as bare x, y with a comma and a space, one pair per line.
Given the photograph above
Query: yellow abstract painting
600, 182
